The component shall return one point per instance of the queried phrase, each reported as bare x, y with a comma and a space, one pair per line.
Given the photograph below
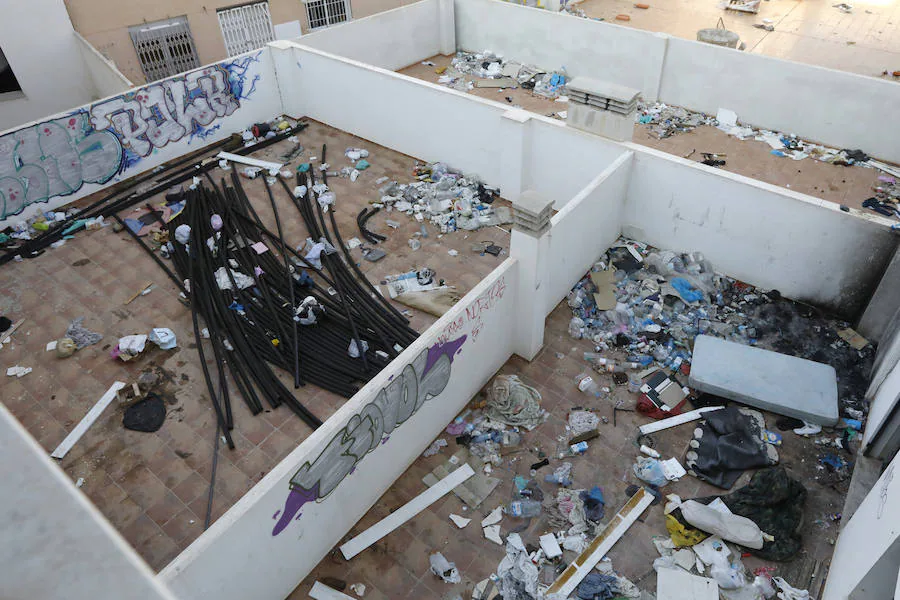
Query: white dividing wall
551, 40
271, 539
417, 118
56, 544
840, 109
868, 548
585, 228
563, 160
106, 77
63, 157
391, 39
773, 238
39, 42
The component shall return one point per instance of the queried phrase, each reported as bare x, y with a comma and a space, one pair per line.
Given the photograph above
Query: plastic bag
649, 470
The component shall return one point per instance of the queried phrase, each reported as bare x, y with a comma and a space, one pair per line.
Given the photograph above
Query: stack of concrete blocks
602, 108
531, 213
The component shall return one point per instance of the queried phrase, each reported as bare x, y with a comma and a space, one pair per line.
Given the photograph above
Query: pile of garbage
666, 121
649, 305
652, 304
446, 197
489, 65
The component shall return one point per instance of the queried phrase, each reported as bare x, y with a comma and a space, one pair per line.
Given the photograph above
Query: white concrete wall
56, 544
585, 228
38, 41
562, 160
391, 40
882, 404
871, 533
271, 539
551, 40
420, 119
768, 236
106, 77
66, 156
832, 107
840, 109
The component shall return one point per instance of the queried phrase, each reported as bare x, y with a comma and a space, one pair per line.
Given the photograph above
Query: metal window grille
164, 48
322, 13
246, 27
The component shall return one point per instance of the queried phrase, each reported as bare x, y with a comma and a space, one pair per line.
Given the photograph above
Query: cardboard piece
676, 584
606, 289
475, 489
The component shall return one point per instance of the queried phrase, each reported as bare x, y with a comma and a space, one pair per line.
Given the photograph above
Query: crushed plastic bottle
524, 508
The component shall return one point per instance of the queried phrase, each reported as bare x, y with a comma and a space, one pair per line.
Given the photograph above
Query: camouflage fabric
774, 502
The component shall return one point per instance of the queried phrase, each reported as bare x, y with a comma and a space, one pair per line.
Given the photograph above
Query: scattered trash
443, 568
435, 447
459, 521
81, 336
18, 371
146, 415
359, 589
844, 7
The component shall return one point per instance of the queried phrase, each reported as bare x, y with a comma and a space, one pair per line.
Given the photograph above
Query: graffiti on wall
473, 318
421, 380
93, 145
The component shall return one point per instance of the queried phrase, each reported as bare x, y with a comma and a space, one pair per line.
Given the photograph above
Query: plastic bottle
579, 448
634, 383
524, 508
587, 385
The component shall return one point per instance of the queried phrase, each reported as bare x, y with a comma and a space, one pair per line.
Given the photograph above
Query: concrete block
600, 122
779, 383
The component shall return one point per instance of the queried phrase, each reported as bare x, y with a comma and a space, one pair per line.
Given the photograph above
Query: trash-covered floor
849, 186
862, 41
153, 487
398, 566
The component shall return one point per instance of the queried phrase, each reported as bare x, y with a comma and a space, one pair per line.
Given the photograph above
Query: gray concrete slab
779, 383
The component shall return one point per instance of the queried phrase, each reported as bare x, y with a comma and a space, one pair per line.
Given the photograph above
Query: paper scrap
492, 533
18, 371
459, 521
260, 247
672, 469
550, 546
605, 298
493, 517
51, 346
853, 338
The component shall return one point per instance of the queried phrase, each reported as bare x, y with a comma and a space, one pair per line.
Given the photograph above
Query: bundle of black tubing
174, 174
254, 330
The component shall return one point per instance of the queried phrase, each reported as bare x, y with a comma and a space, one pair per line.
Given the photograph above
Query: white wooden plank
406, 512
615, 529
253, 162
87, 421
676, 420
320, 591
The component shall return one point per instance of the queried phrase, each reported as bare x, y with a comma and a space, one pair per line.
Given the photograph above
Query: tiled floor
397, 566
153, 486
845, 185
865, 41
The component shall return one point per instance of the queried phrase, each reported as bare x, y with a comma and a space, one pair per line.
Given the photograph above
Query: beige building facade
153, 39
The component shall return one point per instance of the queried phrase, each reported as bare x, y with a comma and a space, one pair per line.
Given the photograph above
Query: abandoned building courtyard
462, 300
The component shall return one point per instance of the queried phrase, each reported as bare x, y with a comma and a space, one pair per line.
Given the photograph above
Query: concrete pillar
530, 245
553, 5
56, 544
515, 153
447, 20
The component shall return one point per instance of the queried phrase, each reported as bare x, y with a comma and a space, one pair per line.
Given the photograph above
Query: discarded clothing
146, 415
728, 526
81, 336
512, 402
593, 504
728, 443
774, 501
597, 586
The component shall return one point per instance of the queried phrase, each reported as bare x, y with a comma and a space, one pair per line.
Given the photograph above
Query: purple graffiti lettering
448, 349
295, 501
